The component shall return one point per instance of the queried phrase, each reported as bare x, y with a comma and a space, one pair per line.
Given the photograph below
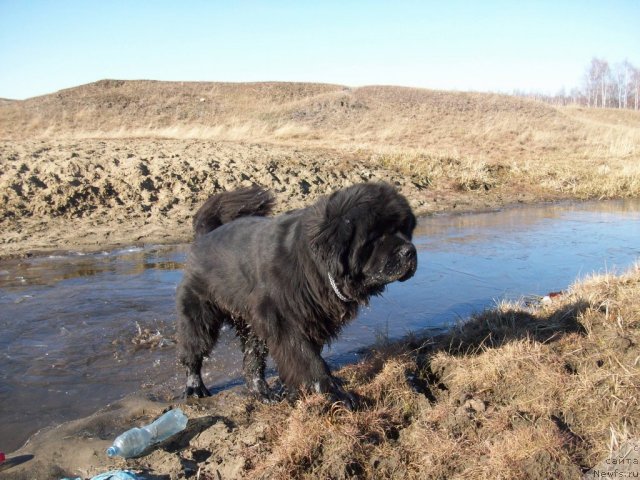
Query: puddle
80, 331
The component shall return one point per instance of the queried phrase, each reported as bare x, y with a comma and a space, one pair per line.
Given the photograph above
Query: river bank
520, 391
98, 194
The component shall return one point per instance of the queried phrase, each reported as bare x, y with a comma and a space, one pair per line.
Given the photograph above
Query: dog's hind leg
199, 324
254, 363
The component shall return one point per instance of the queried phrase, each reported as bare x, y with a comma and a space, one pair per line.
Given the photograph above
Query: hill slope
487, 126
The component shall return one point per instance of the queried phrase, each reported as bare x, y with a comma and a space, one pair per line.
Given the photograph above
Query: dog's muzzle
408, 257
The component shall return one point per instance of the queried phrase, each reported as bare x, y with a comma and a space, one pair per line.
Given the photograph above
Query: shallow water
80, 331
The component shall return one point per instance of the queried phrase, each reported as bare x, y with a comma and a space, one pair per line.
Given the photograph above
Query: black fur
218, 210
269, 278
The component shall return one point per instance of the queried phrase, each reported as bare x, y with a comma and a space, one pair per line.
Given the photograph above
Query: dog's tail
227, 206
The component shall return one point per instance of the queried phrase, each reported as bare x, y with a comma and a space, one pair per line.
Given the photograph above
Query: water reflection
52, 269
478, 227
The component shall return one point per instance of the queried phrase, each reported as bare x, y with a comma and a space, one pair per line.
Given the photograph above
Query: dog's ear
330, 231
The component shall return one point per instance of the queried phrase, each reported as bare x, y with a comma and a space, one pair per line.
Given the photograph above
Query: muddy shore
89, 195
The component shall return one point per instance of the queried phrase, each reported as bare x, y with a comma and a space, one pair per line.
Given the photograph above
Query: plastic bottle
135, 441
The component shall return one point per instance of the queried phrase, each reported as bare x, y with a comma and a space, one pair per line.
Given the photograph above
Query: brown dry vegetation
529, 392
133, 158
515, 392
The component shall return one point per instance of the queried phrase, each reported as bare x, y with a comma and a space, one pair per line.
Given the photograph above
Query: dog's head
362, 234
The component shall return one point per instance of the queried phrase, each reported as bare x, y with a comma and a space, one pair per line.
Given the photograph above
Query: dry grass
516, 392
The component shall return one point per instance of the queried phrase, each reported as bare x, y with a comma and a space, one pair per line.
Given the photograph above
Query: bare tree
601, 87
591, 83
604, 73
635, 81
598, 79
575, 96
599, 73
627, 70
622, 79
618, 78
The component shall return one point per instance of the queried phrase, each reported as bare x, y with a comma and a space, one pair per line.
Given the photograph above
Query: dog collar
337, 291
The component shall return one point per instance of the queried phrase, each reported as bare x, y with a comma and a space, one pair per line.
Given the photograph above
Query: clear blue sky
462, 45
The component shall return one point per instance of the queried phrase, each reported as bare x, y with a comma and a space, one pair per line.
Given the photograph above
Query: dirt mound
473, 127
94, 194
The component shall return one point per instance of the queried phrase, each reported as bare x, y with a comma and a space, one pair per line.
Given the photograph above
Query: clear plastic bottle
135, 441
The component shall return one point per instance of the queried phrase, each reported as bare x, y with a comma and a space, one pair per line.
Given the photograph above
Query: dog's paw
195, 386
198, 391
259, 389
332, 387
338, 395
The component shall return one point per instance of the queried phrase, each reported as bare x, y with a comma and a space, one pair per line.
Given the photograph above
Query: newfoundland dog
288, 284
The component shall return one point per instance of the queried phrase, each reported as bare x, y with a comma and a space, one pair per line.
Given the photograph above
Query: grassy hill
487, 126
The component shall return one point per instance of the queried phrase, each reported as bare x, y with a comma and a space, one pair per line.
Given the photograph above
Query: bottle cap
112, 451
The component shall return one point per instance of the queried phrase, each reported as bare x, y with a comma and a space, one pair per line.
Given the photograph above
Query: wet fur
268, 278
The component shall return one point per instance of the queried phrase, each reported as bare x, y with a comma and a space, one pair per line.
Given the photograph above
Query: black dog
289, 284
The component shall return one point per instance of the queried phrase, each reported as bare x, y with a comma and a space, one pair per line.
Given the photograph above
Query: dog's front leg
195, 385
301, 366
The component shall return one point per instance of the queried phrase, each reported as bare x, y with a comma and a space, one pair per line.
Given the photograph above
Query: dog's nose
407, 250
